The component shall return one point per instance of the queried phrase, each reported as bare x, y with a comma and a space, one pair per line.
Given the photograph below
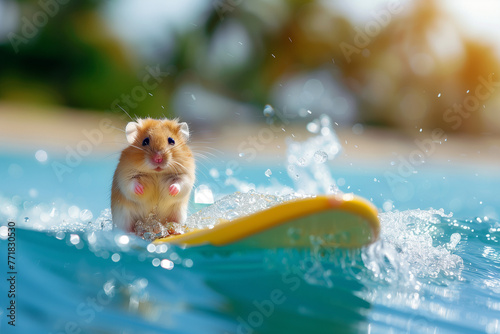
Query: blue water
432, 271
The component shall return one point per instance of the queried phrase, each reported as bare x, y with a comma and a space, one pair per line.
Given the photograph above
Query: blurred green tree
71, 60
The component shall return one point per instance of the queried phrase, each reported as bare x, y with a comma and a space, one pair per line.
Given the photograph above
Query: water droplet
188, 263
241, 155
313, 127
325, 120
167, 264
92, 238
272, 54
387, 206
41, 156
268, 173
214, 173
115, 257
74, 239
174, 256
320, 157
54, 213
302, 162
439, 95
86, 215
303, 112
357, 129
123, 239
161, 248
268, 110
4, 232
26, 219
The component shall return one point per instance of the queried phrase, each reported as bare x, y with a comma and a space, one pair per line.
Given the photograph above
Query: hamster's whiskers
203, 144
176, 164
137, 147
114, 127
126, 113
201, 155
204, 153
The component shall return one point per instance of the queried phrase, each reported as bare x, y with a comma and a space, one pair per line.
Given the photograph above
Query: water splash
54, 216
320, 157
306, 160
413, 242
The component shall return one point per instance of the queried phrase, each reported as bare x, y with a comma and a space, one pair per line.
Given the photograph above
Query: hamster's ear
131, 131
184, 130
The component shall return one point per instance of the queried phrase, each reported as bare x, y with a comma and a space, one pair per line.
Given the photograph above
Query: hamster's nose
157, 158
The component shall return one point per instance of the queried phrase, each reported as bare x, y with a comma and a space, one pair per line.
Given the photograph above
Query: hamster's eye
171, 141
145, 142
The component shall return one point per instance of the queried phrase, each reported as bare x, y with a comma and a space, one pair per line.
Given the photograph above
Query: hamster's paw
174, 189
138, 188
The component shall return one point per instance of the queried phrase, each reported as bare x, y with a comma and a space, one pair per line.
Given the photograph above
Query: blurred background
398, 64
385, 72
411, 88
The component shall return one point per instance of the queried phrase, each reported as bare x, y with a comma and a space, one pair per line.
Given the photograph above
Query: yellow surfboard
344, 221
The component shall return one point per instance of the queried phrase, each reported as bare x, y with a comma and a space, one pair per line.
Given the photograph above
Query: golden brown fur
137, 167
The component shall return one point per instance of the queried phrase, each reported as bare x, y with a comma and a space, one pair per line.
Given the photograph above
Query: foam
409, 249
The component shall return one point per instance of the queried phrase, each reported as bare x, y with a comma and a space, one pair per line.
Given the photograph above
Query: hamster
154, 176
